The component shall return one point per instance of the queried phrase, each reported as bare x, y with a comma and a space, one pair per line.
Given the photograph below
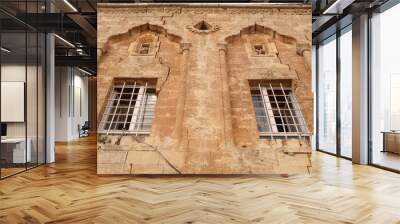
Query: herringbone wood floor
69, 191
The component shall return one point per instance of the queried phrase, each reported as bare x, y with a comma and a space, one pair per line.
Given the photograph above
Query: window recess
277, 111
129, 109
144, 48
259, 49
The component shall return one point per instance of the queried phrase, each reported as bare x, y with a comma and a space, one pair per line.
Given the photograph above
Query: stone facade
201, 59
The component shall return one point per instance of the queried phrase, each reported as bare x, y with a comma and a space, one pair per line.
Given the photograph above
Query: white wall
62, 81
12, 73
71, 102
80, 111
16, 73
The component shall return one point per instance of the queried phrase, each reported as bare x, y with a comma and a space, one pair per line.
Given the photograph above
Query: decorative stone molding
99, 53
203, 27
222, 47
150, 39
301, 47
204, 9
268, 47
185, 46
268, 73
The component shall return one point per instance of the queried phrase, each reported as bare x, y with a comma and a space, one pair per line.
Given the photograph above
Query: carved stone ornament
301, 47
203, 27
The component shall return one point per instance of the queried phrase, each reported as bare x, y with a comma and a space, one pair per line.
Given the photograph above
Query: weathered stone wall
204, 120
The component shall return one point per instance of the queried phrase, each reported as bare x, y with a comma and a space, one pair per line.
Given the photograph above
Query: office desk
391, 141
13, 150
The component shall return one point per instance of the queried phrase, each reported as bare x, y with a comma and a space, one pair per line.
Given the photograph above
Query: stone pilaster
180, 113
226, 101
305, 51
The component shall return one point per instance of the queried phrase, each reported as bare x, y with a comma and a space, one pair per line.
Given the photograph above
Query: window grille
259, 49
144, 48
130, 109
278, 113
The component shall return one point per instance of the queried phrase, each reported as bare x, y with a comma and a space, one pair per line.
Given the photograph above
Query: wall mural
204, 89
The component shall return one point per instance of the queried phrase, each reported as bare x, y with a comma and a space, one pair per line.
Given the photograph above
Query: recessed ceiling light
5, 50
84, 71
64, 40
70, 5
337, 7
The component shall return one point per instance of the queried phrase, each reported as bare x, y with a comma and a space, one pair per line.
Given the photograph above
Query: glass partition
385, 89
346, 92
327, 96
13, 94
22, 88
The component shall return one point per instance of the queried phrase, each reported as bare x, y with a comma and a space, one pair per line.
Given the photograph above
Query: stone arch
301, 47
281, 64
256, 28
143, 32
246, 64
134, 30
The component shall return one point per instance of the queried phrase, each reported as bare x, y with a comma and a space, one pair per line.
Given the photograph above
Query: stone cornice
205, 5
204, 8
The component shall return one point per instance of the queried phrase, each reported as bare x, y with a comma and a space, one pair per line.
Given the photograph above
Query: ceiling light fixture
65, 41
337, 7
70, 5
84, 71
5, 50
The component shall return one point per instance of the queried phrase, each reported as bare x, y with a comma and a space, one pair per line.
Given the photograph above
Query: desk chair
84, 130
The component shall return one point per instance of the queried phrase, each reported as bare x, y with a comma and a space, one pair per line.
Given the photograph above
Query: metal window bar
299, 115
282, 116
291, 122
279, 110
141, 108
129, 107
290, 111
125, 106
270, 110
146, 115
107, 110
130, 110
303, 121
266, 111
119, 98
136, 110
121, 122
269, 88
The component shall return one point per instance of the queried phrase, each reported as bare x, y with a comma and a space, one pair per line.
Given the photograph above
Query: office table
13, 150
391, 141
